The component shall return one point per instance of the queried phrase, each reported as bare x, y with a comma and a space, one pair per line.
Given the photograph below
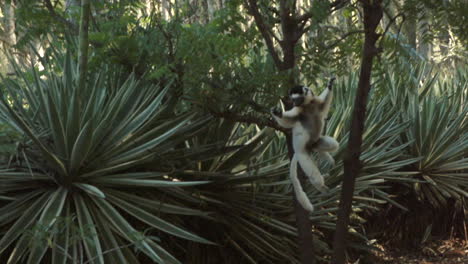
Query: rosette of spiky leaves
250, 208
77, 191
435, 107
440, 134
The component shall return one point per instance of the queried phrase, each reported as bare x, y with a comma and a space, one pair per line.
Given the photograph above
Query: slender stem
84, 43
352, 164
263, 28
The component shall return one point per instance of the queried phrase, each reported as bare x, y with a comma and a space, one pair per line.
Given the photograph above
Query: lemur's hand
276, 112
330, 82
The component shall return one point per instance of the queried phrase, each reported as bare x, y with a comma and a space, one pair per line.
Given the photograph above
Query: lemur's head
300, 95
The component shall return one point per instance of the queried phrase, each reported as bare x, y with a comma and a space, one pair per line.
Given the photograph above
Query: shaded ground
454, 251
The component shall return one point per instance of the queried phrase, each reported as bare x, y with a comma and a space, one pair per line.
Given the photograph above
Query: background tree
352, 164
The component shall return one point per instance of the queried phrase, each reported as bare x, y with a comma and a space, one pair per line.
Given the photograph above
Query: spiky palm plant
77, 189
435, 187
249, 220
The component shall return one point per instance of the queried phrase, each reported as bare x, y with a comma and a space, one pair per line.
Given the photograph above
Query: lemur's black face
298, 94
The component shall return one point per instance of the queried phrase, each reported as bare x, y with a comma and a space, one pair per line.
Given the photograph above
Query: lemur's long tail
300, 194
310, 169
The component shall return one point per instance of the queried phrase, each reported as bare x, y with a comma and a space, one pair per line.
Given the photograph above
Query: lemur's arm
292, 113
286, 119
326, 97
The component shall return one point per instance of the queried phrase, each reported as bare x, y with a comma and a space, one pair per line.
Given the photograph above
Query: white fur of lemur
307, 120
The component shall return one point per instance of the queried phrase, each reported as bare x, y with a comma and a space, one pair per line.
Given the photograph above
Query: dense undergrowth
115, 174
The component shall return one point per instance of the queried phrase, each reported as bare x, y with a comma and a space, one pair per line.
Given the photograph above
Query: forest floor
454, 251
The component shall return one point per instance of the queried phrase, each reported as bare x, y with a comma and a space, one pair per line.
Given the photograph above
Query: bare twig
257, 107
373, 13
168, 38
388, 27
343, 37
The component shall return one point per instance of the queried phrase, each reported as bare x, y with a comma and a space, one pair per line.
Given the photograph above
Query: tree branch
263, 28
303, 18
352, 164
248, 119
59, 18
343, 37
338, 4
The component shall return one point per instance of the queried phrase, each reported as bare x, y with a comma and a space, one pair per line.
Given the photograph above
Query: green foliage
250, 203
8, 139
83, 155
435, 107
121, 170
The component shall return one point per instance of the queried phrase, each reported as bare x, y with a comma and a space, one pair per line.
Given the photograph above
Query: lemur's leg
305, 159
309, 167
326, 144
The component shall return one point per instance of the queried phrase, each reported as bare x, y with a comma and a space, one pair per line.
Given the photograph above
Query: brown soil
454, 251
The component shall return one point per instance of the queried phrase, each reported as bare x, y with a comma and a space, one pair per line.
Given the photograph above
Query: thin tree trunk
291, 35
210, 9
72, 8
445, 35
410, 30
411, 21
423, 47
165, 9
292, 32
84, 43
303, 223
352, 164
9, 34
204, 16
9, 26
